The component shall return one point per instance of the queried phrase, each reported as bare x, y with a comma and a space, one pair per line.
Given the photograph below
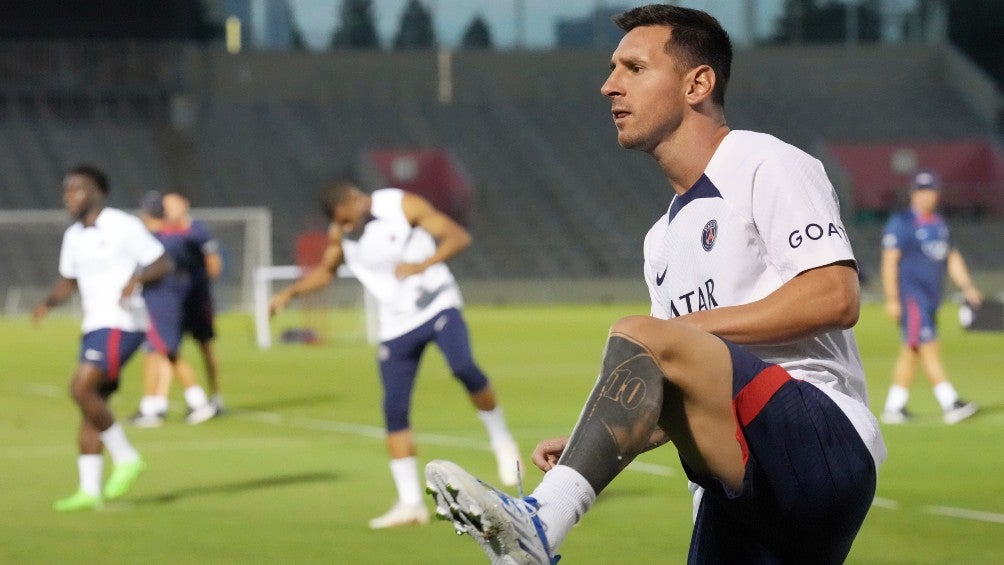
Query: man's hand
405, 270
546, 454
127, 291
973, 296
38, 313
278, 302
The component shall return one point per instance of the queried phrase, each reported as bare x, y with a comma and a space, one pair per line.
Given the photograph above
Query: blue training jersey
188, 248
923, 243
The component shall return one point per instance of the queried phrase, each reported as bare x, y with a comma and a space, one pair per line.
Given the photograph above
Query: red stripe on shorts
753, 397
114, 345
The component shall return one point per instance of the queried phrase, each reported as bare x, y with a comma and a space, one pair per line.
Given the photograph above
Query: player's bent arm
316, 279
153, 272
451, 237
959, 274
818, 300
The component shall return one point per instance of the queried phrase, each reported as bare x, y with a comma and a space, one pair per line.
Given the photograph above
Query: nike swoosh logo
659, 278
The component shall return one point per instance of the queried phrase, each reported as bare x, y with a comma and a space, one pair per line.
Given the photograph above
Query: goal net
29, 254
29, 264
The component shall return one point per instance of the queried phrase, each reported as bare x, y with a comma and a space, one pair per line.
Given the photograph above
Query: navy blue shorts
809, 481
918, 321
399, 359
198, 314
109, 349
164, 302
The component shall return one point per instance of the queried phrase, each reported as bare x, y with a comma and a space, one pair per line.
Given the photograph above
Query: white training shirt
387, 240
763, 212
102, 259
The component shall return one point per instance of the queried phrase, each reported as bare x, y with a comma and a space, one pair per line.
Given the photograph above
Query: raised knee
633, 326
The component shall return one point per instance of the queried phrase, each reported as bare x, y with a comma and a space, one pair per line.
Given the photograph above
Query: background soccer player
167, 300
397, 246
916, 253
747, 362
107, 255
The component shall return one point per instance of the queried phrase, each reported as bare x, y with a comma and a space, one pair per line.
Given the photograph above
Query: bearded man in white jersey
397, 244
747, 363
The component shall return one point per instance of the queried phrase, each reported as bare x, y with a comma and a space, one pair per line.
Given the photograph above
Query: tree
812, 21
357, 30
477, 35
415, 30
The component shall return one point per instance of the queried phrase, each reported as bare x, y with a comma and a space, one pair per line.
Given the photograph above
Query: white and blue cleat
506, 528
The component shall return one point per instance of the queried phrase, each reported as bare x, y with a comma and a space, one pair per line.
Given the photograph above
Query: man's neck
684, 157
90, 216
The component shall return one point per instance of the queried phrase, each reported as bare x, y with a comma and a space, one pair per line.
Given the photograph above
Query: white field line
375, 432
965, 514
431, 439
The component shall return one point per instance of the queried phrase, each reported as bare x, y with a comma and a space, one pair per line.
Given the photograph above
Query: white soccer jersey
387, 240
763, 212
102, 259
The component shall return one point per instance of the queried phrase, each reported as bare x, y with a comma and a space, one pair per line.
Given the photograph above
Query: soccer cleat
506, 528
141, 420
509, 462
900, 416
205, 412
123, 477
960, 411
79, 500
217, 401
401, 515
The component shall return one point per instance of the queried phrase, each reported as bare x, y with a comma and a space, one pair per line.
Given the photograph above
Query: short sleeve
796, 212
892, 234
67, 266
140, 244
204, 238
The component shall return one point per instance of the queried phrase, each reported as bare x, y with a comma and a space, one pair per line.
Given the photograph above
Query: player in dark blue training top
170, 317
916, 253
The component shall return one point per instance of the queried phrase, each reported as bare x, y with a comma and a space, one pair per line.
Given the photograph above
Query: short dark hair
153, 204
335, 194
697, 38
97, 176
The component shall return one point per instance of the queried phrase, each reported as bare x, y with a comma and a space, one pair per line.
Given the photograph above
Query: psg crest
709, 235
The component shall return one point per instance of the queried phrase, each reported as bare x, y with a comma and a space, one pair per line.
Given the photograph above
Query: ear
701, 82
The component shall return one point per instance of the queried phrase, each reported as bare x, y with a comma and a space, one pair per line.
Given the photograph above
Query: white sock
495, 424
896, 400
564, 497
405, 473
117, 445
90, 468
946, 395
196, 397
152, 405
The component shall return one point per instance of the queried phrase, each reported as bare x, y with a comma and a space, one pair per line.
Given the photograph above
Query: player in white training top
107, 255
747, 363
397, 245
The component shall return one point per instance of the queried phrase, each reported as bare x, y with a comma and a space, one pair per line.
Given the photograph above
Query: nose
609, 88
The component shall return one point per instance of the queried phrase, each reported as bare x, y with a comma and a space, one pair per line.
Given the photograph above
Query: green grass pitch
298, 466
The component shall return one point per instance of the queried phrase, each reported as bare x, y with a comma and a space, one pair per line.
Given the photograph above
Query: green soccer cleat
79, 500
123, 477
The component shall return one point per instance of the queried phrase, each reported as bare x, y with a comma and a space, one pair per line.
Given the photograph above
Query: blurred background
490, 108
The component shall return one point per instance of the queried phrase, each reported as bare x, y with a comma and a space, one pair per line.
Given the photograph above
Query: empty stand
553, 195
